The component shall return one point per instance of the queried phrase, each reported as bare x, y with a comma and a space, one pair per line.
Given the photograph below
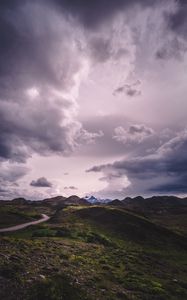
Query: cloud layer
102, 82
42, 64
162, 172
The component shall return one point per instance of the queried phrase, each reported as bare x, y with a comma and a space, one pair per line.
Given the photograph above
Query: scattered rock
4, 256
15, 257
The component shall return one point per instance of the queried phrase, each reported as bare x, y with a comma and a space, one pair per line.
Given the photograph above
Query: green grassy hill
95, 252
129, 226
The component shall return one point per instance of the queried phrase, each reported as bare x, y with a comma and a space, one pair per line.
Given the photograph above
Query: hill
156, 204
115, 202
128, 226
83, 252
54, 200
11, 215
60, 200
168, 211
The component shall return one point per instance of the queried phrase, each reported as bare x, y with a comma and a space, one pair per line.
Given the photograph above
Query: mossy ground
93, 253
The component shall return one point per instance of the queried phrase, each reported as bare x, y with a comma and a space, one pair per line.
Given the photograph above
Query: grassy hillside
11, 215
176, 222
168, 211
97, 252
129, 226
14, 214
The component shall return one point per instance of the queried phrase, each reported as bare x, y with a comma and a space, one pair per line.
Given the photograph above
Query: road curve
21, 226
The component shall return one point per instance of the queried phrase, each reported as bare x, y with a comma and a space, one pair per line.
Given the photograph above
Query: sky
93, 98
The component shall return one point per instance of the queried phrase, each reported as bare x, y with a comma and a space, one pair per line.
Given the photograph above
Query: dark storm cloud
93, 13
41, 182
38, 61
177, 21
37, 51
35, 127
23, 63
26, 46
176, 186
9, 4
164, 171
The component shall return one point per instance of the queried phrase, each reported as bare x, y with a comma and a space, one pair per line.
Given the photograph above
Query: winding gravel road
21, 226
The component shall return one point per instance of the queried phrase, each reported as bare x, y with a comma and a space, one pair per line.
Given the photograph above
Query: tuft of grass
58, 287
44, 232
94, 237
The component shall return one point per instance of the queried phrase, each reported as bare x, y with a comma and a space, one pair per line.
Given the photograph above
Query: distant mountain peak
92, 199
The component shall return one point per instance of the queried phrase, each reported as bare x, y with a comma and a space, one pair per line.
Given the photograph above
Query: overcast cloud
92, 85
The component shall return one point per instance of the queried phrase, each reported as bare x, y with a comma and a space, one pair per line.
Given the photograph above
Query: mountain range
155, 204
